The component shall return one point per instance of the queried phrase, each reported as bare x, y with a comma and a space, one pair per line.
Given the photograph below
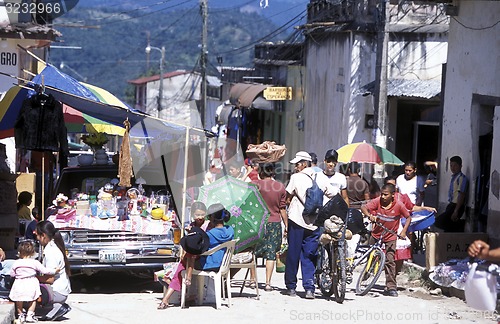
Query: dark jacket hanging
40, 125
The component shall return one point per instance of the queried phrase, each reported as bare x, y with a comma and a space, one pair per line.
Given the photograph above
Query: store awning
245, 93
424, 89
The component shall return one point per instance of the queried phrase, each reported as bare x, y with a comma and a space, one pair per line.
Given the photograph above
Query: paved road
121, 299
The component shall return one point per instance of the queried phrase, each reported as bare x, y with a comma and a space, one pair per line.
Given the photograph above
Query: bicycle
334, 268
374, 256
331, 270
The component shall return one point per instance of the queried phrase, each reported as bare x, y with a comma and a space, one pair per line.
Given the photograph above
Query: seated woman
218, 234
54, 256
172, 277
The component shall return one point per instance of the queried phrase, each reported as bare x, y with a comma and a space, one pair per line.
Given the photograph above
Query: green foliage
113, 46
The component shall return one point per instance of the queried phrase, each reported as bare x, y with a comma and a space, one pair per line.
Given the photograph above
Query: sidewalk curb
7, 313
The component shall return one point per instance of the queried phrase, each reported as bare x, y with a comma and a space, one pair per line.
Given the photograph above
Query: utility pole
380, 109
203, 59
160, 90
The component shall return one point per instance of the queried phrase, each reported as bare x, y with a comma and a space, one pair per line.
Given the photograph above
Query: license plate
112, 256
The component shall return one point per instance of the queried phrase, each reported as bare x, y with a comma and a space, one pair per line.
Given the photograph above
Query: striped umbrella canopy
79, 122
10, 105
363, 152
75, 120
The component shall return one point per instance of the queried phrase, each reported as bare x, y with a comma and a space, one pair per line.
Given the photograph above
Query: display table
136, 224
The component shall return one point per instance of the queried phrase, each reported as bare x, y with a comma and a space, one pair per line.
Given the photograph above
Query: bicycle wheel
324, 270
371, 271
339, 271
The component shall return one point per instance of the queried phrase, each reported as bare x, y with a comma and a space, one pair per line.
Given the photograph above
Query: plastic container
420, 220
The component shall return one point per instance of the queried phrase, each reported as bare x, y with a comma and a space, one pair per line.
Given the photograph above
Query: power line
474, 28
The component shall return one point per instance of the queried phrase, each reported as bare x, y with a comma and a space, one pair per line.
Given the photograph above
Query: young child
23, 210
198, 214
220, 233
26, 288
174, 278
30, 229
387, 211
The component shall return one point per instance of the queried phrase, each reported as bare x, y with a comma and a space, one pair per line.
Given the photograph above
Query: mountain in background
113, 39
279, 12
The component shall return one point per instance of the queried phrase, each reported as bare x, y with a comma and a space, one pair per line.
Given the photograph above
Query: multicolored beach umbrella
90, 105
79, 122
363, 152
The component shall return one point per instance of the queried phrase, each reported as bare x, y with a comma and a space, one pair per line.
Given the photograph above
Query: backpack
314, 199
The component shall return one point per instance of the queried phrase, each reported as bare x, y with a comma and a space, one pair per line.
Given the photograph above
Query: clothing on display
40, 125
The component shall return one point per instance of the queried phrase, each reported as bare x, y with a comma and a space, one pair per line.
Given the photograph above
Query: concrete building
471, 110
181, 92
344, 56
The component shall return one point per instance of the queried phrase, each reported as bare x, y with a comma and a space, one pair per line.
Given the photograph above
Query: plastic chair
248, 265
221, 277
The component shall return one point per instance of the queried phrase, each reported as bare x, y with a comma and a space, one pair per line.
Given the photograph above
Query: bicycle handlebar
388, 230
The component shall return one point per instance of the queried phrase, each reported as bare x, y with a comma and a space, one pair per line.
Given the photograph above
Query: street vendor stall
159, 148
135, 224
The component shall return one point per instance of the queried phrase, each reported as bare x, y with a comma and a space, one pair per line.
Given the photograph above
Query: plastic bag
480, 289
281, 258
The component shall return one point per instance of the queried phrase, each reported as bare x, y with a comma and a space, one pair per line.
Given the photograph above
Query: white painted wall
341, 120
326, 110
416, 60
472, 68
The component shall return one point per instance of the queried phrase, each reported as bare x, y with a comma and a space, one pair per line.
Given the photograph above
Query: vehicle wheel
371, 272
324, 271
339, 272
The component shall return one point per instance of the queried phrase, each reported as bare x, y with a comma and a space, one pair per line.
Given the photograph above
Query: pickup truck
90, 251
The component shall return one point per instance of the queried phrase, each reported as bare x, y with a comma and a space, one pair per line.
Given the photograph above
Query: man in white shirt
302, 234
411, 184
335, 179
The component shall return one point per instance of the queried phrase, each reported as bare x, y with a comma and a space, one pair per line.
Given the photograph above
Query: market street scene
289, 160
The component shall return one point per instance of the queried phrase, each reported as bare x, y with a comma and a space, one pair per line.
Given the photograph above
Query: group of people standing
398, 198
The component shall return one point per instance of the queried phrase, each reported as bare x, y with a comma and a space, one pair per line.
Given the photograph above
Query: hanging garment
40, 125
125, 172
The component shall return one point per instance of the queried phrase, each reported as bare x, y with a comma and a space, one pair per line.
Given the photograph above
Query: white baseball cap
301, 156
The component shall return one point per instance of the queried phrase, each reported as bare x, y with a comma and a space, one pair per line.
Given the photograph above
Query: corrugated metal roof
425, 89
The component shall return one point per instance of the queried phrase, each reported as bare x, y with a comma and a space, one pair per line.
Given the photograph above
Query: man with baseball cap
302, 234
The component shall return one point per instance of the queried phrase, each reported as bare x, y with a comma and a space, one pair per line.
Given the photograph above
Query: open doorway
425, 142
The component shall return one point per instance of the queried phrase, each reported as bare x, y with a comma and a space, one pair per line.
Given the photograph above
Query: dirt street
125, 303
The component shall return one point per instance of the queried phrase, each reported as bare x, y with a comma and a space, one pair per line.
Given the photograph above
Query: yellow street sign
278, 93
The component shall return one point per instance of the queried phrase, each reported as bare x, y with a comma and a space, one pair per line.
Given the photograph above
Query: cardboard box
441, 247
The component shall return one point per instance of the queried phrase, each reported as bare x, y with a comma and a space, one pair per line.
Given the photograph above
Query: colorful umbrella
75, 120
10, 105
367, 153
249, 211
79, 122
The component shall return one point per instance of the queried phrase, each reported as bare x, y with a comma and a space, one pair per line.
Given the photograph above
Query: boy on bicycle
387, 211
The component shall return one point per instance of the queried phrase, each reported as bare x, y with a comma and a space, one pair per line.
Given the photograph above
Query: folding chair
221, 277
248, 265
